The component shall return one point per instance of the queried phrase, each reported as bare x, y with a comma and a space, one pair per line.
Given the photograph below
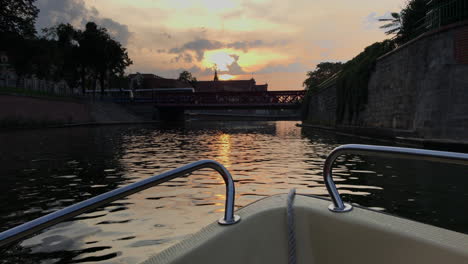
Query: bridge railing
224, 98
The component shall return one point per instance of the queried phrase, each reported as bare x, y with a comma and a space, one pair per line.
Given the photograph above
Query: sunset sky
275, 41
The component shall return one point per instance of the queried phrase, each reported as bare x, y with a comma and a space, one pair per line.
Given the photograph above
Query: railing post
381, 151
51, 219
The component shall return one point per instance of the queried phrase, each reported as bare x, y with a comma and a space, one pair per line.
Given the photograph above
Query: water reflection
224, 149
44, 170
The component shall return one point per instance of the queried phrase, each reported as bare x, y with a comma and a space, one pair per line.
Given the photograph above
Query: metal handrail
381, 151
43, 222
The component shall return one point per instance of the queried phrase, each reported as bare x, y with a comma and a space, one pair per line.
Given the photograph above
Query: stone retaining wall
34, 111
421, 87
322, 106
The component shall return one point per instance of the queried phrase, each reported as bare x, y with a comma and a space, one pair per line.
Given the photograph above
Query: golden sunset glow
226, 77
224, 150
220, 59
273, 41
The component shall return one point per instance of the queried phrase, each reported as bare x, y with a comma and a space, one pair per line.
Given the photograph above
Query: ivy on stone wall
353, 80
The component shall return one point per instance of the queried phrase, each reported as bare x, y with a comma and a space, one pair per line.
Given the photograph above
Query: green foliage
412, 20
65, 53
353, 80
394, 25
20, 52
187, 77
18, 17
322, 72
408, 23
70, 60
102, 55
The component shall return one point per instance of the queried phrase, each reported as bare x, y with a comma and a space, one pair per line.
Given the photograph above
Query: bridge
173, 104
272, 99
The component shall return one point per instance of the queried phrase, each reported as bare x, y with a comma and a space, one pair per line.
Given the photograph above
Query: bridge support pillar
170, 114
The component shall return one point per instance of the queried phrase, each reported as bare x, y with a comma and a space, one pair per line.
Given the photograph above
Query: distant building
152, 81
229, 86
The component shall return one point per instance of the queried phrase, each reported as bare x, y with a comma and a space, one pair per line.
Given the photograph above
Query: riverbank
399, 137
241, 117
44, 111
416, 93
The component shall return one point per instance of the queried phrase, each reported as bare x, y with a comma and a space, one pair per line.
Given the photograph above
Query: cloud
119, 31
199, 46
166, 31
54, 12
174, 73
75, 12
245, 45
293, 67
185, 57
167, 35
325, 47
371, 21
234, 68
233, 14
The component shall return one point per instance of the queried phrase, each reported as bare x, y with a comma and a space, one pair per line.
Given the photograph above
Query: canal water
44, 170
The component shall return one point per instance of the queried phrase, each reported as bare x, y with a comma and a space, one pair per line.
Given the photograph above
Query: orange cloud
276, 40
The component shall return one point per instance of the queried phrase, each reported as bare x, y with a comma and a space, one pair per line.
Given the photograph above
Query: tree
100, 57
18, 17
89, 56
68, 42
322, 72
408, 23
17, 20
187, 77
394, 25
412, 20
20, 56
64, 38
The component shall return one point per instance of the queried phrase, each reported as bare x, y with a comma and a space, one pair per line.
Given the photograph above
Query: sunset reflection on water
224, 150
264, 158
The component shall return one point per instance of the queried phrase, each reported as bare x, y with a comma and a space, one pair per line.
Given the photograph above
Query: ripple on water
265, 158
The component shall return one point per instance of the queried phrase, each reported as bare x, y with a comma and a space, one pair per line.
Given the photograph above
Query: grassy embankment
10, 116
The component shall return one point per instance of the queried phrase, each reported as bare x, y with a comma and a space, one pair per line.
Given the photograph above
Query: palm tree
394, 25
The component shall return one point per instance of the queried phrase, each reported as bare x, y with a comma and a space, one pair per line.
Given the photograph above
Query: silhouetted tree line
80, 57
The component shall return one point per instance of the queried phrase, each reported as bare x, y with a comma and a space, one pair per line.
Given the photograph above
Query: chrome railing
381, 151
43, 222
